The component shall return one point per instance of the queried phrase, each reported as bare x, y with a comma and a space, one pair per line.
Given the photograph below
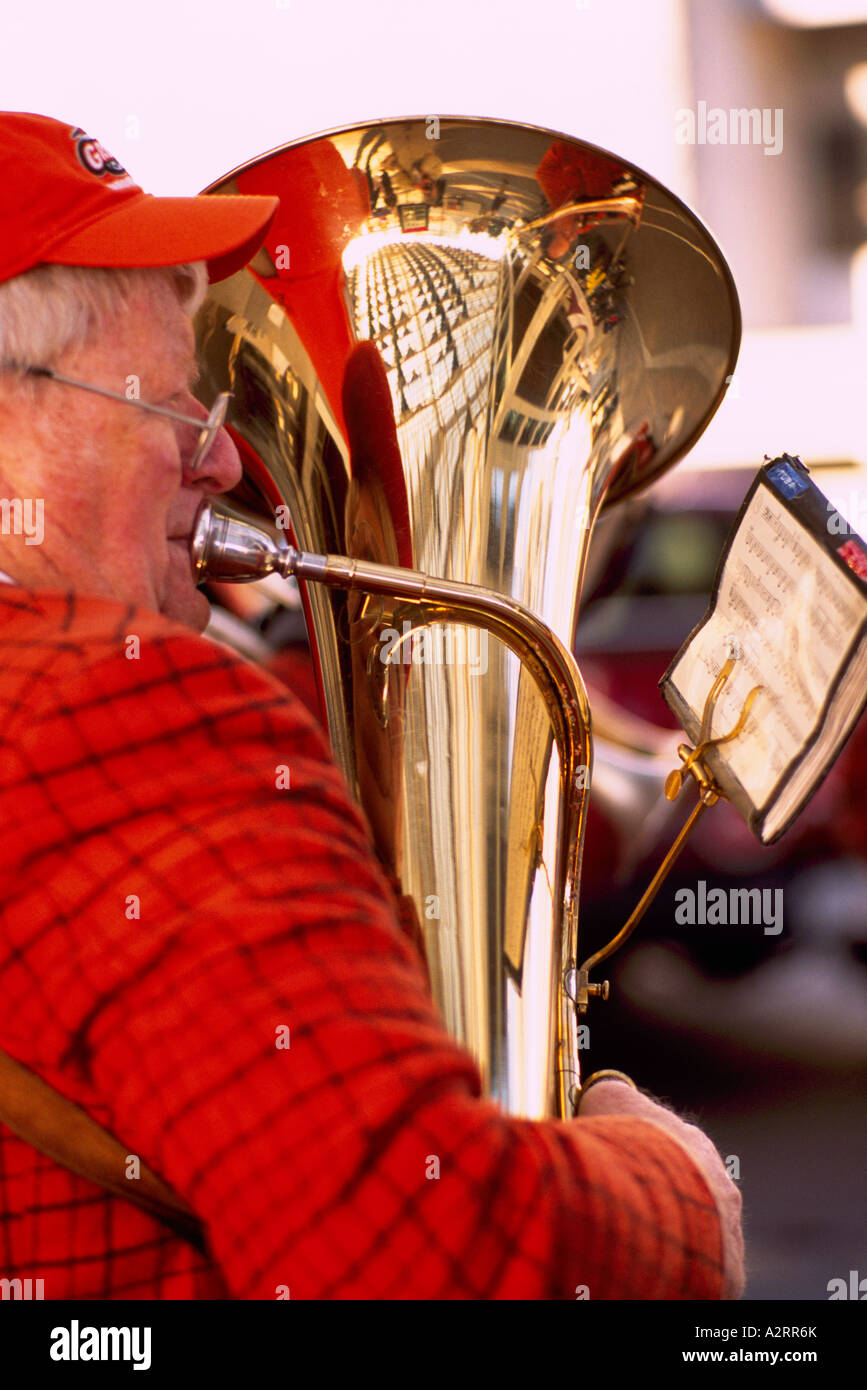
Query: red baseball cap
64, 200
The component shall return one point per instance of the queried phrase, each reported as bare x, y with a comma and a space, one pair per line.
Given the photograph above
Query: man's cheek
158, 472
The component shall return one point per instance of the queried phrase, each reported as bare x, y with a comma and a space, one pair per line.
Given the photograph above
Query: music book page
790, 605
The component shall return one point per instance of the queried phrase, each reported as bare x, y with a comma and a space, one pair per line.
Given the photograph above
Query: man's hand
616, 1098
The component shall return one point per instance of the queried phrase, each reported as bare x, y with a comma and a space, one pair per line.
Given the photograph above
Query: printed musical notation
793, 612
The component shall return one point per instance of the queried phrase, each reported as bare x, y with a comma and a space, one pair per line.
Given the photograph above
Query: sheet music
787, 614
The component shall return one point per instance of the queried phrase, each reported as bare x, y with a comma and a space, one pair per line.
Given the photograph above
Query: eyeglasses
208, 429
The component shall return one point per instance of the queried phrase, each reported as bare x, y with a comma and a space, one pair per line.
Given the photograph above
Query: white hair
51, 309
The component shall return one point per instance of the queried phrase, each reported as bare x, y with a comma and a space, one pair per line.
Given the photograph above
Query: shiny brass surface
232, 550
552, 330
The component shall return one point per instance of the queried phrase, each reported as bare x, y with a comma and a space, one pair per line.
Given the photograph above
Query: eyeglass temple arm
114, 395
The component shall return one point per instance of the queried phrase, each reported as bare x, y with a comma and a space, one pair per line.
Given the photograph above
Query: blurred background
762, 1038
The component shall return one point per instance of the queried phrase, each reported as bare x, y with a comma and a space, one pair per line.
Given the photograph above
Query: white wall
212, 83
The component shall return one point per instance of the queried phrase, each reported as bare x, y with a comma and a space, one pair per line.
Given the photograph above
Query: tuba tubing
462, 341
224, 548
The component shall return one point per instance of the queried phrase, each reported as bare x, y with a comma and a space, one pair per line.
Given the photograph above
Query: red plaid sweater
167, 912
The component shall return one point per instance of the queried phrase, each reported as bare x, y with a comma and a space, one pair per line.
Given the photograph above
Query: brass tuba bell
462, 340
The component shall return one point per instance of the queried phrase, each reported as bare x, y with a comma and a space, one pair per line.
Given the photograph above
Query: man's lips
181, 537
182, 550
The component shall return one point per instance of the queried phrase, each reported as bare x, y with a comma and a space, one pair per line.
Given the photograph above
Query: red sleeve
359, 1160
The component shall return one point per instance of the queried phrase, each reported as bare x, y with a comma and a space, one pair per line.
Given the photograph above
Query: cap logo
94, 156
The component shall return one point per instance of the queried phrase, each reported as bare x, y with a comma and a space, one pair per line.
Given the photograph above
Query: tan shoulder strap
63, 1131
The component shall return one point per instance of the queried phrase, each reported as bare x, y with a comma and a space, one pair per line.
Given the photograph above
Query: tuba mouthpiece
233, 551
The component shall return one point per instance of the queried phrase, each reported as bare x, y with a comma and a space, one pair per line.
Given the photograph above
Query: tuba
462, 340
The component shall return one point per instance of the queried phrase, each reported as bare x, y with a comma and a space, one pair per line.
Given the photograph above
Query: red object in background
567, 173
322, 206
377, 470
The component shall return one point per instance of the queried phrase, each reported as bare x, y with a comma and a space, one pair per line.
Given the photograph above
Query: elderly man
207, 964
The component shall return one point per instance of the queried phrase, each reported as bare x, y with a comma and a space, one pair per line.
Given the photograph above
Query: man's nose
221, 468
